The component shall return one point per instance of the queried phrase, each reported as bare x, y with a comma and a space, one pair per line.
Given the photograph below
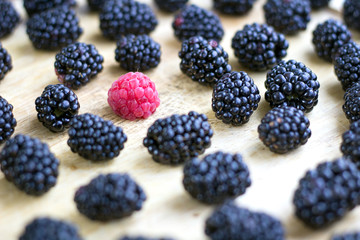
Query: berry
259, 47
205, 61
351, 106
121, 17
54, 28
327, 193
316, 4
33, 7
351, 13
47, 228
178, 138
5, 62
77, 63
292, 84
137, 53
234, 7
29, 164
7, 120
235, 97
56, 106
170, 5
142, 238
288, 17
109, 197
216, 178
133, 96
347, 236
283, 129
231, 222
349, 48
95, 5
350, 145
328, 37
94, 138
9, 18
195, 21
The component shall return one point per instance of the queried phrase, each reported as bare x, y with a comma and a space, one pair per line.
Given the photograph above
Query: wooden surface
169, 210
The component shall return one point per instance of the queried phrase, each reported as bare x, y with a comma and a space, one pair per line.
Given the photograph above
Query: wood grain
169, 210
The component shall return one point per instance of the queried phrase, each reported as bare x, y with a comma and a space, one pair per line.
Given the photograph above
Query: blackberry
283, 129
328, 37
349, 48
205, 61
47, 228
350, 145
234, 7
5, 62
288, 17
7, 120
142, 238
53, 28
292, 84
170, 5
351, 13
77, 63
347, 236
38, 6
95, 5
235, 97
94, 138
258, 47
56, 106
327, 193
29, 164
316, 4
216, 178
9, 18
178, 138
108, 197
195, 21
231, 222
351, 106
137, 53
121, 17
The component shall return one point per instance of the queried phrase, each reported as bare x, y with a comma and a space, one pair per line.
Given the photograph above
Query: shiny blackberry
53, 28
7, 120
137, 53
231, 222
293, 84
109, 197
316, 4
351, 105
77, 63
258, 47
349, 48
121, 17
216, 178
283, 129
94, 138
325, 194
5, 62
204, 61
170, 5
29, 164
235, 97
350, 145
178, 138
328, 37
9, 18
37, 6
347, 236
56, 106
195, 21
233, 7
351, 13
288, 17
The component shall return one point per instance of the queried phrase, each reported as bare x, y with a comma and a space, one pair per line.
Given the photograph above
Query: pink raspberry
133, 96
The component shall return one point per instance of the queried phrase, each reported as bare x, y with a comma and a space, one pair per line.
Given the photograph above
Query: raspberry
133, 96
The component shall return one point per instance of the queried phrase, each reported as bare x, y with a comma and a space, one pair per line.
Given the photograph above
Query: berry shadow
10, 194
334, 90
184, 203
74, 162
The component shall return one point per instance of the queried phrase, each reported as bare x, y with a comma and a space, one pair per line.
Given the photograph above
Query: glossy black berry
5, 62
351, 105
37, 6
350, 145
7, 120
233, 7
170, 5
9, 18
351, 13
316, 4
347, 236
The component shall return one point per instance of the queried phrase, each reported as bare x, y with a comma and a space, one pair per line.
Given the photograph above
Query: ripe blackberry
53, 28
283, 129
77, 63
121, 17
170, 5
38, 6
56, 106
327, 193
9, 18
347, 236
349, 48
235, 97
351, 106
95, 5
137, 53
94, 138
231, 222
195, 21
5, 62
288, 17
216, 178
234, 7
108, 197
7, 120
47, 228
258, 47
292, 84
178, 138
328, 37
316, 4
205, 61
142, 238
350, 145
29, 164
351, 13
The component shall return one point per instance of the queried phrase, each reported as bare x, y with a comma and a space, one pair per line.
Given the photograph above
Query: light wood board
169, 210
